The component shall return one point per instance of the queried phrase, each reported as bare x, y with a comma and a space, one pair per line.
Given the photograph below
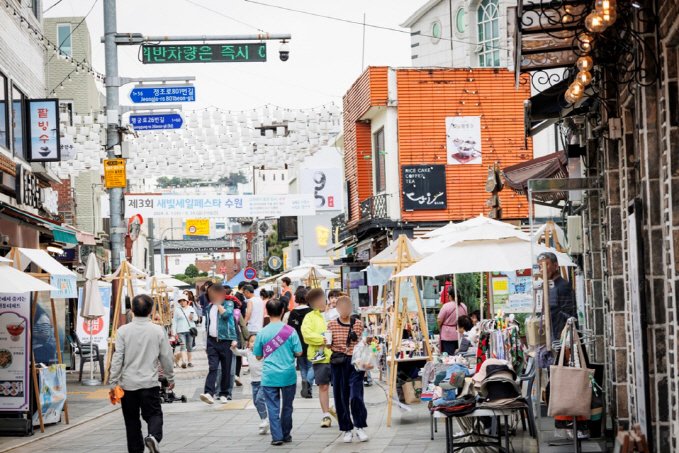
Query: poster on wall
424, 187
99, 328
43, 130
326, 185
463, 140
66, 285
512, 292
52, 385
15, 340
44, 341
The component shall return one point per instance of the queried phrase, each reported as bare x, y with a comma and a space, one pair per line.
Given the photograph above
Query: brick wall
67, 205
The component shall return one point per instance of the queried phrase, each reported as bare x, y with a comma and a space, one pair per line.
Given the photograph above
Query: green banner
204, 53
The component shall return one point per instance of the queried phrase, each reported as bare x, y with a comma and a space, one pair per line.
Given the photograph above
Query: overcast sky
325, 55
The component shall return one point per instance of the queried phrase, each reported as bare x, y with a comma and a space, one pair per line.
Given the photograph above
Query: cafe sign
43, 130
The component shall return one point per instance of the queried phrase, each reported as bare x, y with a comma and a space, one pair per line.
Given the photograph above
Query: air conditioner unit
574, 230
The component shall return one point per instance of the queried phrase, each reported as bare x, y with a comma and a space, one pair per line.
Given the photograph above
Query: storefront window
18, 105
4, 136
380, 161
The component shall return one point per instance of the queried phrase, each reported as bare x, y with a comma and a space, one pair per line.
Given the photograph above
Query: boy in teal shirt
278, 344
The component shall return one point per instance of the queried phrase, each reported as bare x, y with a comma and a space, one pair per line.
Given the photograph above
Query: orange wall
426, 97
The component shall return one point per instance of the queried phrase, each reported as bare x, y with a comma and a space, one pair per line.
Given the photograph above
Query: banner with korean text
15, 340
216, 205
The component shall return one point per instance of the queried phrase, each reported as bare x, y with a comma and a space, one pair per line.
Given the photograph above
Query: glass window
18, 105
66, 111
461, 20
64, 39
4, 136
436, 31
380, 161
489, 33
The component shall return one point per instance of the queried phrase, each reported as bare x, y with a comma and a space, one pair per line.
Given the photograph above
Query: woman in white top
185, 320
255, 313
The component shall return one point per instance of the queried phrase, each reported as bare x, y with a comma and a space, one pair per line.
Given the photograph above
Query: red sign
97, 326
250, 273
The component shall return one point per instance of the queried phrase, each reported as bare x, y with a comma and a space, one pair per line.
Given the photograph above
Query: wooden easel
161, 302
312, 279
402, 259
16, 262
124, 277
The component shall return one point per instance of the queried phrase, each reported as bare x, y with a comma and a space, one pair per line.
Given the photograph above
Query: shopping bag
570, 387
409, 394
365, 357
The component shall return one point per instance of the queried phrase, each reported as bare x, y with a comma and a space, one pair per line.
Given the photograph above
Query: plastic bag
365, 357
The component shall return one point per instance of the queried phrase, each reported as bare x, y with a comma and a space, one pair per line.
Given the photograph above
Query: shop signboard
197, 227
43, 130
98, 328
326, 185
203, 53
15, 340
512, 292
210, 205
424, 187
115, 175
463, 140
66, 285
52, 385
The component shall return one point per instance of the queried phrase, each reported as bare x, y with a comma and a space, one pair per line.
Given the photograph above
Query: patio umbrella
482, 230
305, 271
481, 256
15, 281
92, 307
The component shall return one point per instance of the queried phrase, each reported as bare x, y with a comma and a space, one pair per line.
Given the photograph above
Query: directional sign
156, 121
204, 53
144, 95
250, 273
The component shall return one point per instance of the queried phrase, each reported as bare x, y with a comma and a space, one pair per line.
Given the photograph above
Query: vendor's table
452, 446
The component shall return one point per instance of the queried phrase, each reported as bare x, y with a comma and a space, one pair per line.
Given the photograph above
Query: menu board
15, 339
423, 187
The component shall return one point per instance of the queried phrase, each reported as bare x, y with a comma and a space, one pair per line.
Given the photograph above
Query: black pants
448, 346
218, 353
239, 364
148, 402
347, 388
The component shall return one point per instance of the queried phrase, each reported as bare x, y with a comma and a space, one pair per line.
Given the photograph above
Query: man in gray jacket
140, 346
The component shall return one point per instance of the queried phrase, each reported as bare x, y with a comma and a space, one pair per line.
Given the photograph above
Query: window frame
379, 159
435, 39
69, 37
5, 100
22, 116
488, 20
461, 19
67, 112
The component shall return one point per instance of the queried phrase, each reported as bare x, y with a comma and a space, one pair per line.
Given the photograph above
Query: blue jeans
258, 399
306, 369
280, 418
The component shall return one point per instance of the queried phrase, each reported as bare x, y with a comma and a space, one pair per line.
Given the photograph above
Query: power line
224, 15
355, 22
94, 3
59, 1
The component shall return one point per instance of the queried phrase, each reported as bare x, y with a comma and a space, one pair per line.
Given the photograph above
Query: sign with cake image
463, 140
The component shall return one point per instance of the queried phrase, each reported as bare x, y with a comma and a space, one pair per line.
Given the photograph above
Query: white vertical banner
326, 185
15, 341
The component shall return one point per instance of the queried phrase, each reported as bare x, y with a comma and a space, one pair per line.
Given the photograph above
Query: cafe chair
87, 352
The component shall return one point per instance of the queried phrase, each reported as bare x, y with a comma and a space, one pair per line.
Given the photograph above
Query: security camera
284, 51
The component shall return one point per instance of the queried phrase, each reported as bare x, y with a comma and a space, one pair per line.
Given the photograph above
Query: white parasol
304, 271
92, 307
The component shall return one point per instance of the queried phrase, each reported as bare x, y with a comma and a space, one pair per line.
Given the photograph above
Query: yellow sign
114, 173
197, 227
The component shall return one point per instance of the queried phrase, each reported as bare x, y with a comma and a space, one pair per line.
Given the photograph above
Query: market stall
309, 274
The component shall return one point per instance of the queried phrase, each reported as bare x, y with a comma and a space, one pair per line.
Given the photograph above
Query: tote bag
570, 387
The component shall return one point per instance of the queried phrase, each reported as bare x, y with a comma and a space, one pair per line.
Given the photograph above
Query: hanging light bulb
584, 77
577, 88
570, 97
604, 5
567, 18
609, 16
594, 22
585, 63
585, 42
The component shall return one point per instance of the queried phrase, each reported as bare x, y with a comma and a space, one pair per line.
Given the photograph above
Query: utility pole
112, 83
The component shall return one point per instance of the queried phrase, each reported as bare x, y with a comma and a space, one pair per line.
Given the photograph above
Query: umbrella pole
92, 381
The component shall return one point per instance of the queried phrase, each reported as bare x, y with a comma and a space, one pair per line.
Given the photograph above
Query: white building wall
87, 191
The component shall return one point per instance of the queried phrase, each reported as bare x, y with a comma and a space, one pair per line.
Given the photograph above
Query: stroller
168, 396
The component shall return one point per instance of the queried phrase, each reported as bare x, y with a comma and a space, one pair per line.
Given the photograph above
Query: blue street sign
145, 95
156, 121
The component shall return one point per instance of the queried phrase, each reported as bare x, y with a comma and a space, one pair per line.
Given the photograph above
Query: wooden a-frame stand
124, 278
401, 261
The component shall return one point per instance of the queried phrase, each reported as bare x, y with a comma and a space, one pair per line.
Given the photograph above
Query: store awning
24, 257
551, 166
64, 235
85, 238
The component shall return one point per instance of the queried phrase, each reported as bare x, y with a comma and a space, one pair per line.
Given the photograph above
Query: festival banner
15, 340
52, 385
100, 326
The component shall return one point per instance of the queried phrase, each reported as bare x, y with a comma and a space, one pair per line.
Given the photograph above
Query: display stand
312, 281
401, 260
124, 276
161, 303
16, 259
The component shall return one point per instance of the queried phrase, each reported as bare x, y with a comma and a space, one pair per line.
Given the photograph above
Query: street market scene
313, 226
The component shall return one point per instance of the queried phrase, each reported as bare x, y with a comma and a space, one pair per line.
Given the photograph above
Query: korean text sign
15, 338
326, 185
204, 53
43, 130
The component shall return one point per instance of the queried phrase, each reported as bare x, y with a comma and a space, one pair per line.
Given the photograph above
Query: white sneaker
264, 427
362, 435
223, 399
152, 444
207, 398
348, 437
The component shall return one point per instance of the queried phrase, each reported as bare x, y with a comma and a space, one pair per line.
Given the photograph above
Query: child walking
256, 381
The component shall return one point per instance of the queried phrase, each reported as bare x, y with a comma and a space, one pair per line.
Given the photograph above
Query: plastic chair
529, 378
87, 352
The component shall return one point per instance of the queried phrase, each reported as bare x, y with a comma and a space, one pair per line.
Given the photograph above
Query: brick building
624, 134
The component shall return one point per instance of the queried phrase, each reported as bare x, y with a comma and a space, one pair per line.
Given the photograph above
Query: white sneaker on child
207, 398
362, 435
264, 427
348, 437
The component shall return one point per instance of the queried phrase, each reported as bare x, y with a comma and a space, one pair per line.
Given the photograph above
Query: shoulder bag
339, 358
570, 387
192, 330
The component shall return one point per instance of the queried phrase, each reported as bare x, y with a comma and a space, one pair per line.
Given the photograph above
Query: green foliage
233, 179
192, 271
469, 286
203, 274
165, 182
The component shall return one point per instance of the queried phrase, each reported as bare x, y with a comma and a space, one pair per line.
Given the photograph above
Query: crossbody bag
339, 358
192, 330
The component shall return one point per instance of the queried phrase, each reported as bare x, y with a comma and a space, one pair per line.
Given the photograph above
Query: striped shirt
340, 333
